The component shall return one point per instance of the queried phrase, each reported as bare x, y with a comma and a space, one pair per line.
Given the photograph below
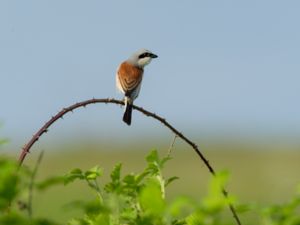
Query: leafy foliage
132, 199
286, 214
9, 185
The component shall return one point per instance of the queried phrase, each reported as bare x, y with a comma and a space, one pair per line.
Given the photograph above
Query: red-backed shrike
129, 78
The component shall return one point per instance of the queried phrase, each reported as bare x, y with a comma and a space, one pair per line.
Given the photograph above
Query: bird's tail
128, 112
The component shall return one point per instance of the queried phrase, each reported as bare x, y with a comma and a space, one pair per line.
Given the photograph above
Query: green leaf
49, 182
73, 175
198, 218
170, 180
153, 168
93, 173
130, 186
151, 199
140, 177
116, 173
129, 180
115, 185
155, 165
152, 157
9, 185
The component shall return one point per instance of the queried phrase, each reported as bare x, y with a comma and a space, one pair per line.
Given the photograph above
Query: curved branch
44, 129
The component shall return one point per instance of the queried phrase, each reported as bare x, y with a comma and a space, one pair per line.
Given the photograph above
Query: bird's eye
146, 54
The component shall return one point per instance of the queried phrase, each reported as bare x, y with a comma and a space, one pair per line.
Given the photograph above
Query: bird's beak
153, 56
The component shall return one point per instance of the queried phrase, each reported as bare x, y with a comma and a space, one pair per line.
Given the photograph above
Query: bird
129, 78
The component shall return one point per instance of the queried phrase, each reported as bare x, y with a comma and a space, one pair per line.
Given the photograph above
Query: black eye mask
147, 54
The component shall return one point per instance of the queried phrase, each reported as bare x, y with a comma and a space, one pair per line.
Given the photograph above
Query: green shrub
132, 199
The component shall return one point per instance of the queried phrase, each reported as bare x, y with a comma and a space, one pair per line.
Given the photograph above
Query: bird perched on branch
129, 78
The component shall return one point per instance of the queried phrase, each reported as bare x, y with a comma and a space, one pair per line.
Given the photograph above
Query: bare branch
171, 146
44, 129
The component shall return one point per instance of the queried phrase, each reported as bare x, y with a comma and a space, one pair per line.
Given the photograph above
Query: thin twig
31, 184
59, 115
172, 145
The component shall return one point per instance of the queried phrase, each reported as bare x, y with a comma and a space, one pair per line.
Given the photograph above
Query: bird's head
142, 58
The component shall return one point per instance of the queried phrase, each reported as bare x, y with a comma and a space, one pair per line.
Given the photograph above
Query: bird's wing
129, 77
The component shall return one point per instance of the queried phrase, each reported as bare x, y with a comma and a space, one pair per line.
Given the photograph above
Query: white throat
144, 62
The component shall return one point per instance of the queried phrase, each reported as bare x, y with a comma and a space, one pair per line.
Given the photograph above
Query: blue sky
223, 66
